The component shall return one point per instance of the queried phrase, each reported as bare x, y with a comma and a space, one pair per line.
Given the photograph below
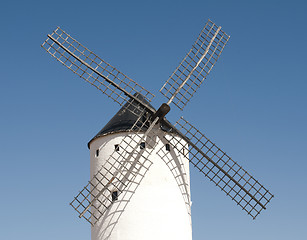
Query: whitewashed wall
156, 209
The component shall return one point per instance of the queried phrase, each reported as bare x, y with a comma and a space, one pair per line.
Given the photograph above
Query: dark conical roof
123, 120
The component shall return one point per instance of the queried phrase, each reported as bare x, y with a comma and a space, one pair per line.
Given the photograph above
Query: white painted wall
156, 209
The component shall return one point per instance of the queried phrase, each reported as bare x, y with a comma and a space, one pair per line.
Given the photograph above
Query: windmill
140, 183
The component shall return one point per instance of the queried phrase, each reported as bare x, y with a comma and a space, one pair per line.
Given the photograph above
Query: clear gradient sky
253, 105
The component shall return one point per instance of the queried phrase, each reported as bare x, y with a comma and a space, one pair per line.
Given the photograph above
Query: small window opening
116, 147
114, 196
97, 152
142, 145
167, 147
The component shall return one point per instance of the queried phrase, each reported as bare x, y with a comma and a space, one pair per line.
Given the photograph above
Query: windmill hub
161, 112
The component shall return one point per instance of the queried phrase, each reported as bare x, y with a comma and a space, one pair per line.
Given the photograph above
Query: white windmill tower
163, 197
140, 184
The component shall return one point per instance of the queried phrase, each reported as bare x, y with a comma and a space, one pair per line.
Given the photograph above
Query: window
116, 147
97, 152
114, 196
142, 145
167, 147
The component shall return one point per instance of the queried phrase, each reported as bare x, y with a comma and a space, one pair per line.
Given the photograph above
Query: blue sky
252, 105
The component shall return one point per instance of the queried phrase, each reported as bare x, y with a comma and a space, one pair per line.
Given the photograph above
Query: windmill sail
93, 69
195, 67
123, 170
225, 173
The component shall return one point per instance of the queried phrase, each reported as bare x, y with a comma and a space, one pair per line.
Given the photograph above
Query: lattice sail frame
225, 173
123, 170
195, 67
93, 69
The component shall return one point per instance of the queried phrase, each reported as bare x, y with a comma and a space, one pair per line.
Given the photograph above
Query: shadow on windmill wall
177, 161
